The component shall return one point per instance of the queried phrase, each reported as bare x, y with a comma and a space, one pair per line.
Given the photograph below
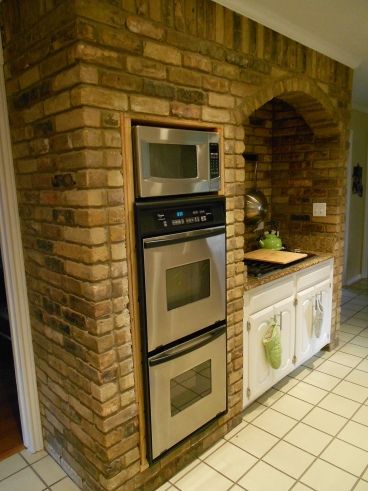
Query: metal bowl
256, 207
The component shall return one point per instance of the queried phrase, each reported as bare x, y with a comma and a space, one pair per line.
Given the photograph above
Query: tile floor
308, 432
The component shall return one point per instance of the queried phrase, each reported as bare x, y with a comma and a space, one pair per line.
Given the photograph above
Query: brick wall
73, 67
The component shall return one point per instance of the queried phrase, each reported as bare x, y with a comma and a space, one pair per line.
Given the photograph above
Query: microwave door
171, 162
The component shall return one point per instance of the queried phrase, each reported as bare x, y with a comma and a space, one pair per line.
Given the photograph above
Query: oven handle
187, 347
182, 237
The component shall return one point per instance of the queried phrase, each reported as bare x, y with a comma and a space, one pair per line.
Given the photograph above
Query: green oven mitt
272, 344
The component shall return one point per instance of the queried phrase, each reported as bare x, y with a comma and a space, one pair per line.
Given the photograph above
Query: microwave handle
182, 237
187, 347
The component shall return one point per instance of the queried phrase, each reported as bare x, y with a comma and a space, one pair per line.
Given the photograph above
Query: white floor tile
260, 477
317, 360
185, 471
67, 484
10, 465
231, 461
253, 411
362, 323
307, 392
31, 458
345, 336
24, 480
291, 406
214, 447
365, 475
323, 476
203, 477
301, 487
269, 397
361, 416
301, 372
235, 430
289, 459
339, 405
361, 341
350, 328
356, 434
286, 384
254, 440
354, 349
308, 438
321, 380
325, 421
351, 391
334, 369
345, 359
361, 486
358, 377
49, 470
346, 456
363, 365
274, 422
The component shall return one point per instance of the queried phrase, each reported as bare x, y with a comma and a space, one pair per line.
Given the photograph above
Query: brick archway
308, 99
301, 167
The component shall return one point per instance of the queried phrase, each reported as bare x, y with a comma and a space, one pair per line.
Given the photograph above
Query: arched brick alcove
300, 138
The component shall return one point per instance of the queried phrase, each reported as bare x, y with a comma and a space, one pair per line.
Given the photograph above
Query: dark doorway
10, 428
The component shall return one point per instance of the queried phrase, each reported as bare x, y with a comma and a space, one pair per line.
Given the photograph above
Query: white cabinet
292, 301
261, 374
307, 341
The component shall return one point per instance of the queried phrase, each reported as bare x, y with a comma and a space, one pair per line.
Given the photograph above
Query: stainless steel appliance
181, 259
173, 162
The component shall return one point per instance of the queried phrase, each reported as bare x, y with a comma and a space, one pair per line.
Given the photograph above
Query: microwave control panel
214, 160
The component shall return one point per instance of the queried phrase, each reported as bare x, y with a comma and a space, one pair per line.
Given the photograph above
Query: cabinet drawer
314, 275
269, 295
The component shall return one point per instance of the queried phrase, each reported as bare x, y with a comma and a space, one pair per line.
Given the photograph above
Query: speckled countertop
293, 268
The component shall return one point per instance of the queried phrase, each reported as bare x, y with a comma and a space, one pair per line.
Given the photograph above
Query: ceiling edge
292, 31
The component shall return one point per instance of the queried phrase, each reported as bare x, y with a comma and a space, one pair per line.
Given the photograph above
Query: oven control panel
162, 217
179, 217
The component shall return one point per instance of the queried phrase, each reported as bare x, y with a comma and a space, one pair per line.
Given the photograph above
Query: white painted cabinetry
292, 301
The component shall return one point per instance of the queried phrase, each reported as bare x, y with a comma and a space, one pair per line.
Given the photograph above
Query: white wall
357, 218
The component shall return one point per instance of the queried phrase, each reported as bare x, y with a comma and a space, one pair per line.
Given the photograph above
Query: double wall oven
181, 248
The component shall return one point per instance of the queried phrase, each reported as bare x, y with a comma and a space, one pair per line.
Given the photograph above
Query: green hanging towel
272, 344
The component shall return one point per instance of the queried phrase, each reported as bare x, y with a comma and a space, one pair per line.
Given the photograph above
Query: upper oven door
173, 162
184, 283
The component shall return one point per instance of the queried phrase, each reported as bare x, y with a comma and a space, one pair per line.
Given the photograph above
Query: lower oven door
184, 277
187, 386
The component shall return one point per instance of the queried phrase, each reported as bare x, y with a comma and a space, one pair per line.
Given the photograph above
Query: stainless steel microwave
173, 162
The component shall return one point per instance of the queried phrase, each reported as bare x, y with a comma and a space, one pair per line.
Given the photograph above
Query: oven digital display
184, 217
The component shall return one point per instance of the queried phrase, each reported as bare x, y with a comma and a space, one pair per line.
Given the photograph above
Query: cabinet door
261, 376
260, 372
324, 291
285, 313
303, 327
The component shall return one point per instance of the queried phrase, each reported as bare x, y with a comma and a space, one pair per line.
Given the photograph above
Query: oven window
187, 284
173, 161
190, 386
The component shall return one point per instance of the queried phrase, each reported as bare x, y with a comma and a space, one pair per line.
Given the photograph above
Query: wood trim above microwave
127, 121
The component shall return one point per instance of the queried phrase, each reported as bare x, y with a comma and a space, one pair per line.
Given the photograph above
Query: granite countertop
319, 257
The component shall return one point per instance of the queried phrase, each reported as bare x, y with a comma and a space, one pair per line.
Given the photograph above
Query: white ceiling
336, 28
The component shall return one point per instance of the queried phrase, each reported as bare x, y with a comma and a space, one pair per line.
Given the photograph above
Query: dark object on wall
357, 180
256, 205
